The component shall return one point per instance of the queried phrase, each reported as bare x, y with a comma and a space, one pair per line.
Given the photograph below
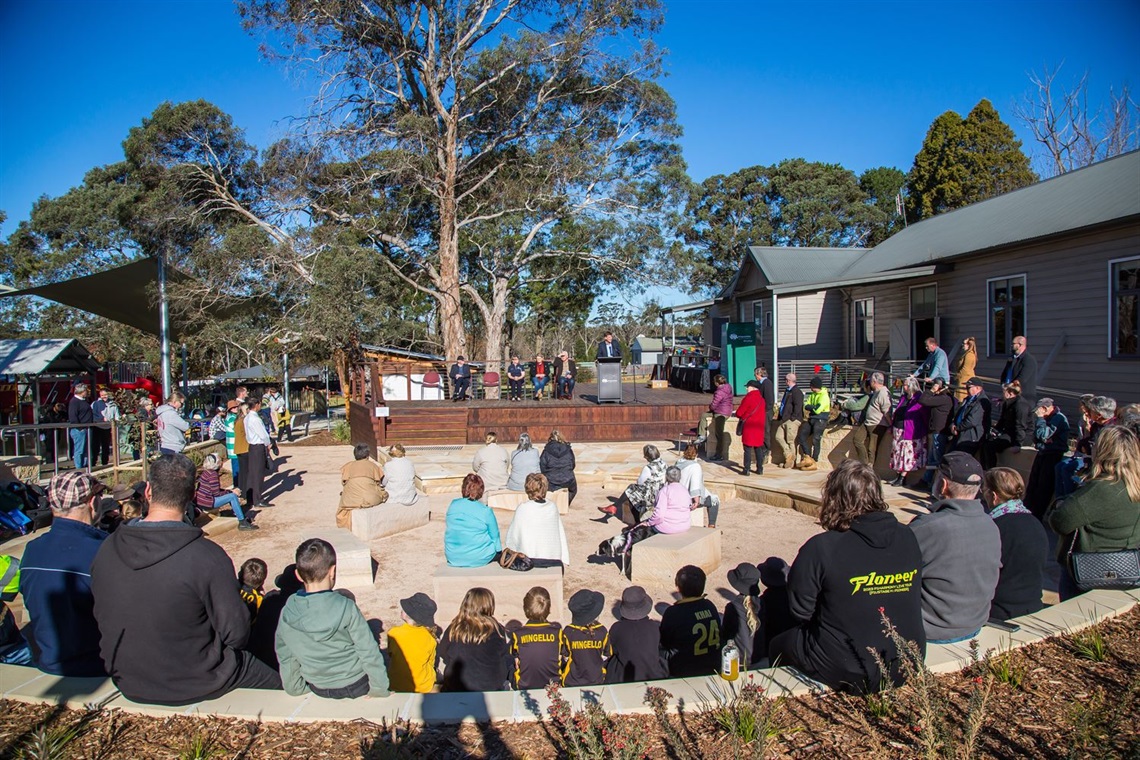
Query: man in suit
1021, 367
790, 415
768, 391
972, 420
609, 348
566, 375
460, 376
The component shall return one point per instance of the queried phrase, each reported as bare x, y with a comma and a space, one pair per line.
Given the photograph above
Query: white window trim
855, 326
1112, 303
1025, 307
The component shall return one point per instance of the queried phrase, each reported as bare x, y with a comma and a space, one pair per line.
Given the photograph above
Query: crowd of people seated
128, 604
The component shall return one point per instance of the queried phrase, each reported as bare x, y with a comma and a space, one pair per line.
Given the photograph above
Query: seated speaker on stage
566, 372
609, 348
539, 372
516, 376
460, 376
362, 480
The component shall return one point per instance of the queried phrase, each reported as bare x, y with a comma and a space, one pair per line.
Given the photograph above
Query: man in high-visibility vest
817, 404
13, 648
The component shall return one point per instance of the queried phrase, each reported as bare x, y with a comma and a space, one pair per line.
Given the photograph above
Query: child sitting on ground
633, 646
775, 611
538, 646
690, 629
251, 584
324, 644
586, 641
742, 614
412, 646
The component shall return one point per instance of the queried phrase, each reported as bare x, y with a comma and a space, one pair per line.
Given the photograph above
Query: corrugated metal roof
783, 264
1096, 194
38, 356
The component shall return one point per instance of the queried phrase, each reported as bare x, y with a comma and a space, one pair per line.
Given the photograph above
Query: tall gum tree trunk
450, 307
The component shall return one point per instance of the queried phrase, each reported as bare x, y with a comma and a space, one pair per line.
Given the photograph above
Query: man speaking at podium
609, 348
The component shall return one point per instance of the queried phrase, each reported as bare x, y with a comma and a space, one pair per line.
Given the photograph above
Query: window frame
1112, 310
910, 301
990, 311
855, 333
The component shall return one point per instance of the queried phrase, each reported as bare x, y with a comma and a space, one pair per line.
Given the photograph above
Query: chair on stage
489, 380
431, 380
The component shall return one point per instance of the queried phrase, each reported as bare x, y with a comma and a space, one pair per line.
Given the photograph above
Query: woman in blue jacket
471, 532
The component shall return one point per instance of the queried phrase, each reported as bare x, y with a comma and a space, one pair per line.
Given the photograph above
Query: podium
609, 380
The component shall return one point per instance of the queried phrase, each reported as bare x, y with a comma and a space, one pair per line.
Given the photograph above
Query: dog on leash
619, 546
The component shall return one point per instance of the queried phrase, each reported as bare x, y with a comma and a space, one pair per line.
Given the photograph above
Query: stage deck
655, 414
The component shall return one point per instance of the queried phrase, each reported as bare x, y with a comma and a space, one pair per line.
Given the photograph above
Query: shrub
342, 431
749, 717
1089, 644
591, 734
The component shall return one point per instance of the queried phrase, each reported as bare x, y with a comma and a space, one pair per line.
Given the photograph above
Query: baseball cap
974, 382
959, 467
72, 489
1045, 403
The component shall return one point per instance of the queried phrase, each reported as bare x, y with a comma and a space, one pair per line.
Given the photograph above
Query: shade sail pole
163, 325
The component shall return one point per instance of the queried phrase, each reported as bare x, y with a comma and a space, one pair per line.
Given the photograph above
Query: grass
1089, 644
51, 742
200, 746
1006, 667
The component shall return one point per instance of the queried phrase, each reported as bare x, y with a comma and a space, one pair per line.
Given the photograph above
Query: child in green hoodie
324, 644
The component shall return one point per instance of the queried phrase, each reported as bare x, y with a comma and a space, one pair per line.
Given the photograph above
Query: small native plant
200, 746
52, 742
591, 734
658, 699
1006, 667
1090, 643
341, 431
391, 741
926, 701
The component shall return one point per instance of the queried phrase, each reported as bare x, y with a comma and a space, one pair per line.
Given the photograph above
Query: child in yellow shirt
412, 646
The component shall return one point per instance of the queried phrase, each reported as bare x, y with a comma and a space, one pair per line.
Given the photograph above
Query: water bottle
730, 662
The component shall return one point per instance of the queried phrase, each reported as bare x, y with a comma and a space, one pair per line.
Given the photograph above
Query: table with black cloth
691, 379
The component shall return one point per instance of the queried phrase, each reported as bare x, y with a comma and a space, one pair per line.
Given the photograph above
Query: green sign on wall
738, 361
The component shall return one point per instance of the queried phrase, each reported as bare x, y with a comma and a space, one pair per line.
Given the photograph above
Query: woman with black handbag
1099, 524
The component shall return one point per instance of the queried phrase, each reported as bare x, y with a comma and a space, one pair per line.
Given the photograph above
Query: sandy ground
306, 491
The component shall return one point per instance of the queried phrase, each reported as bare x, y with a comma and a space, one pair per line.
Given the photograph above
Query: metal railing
52, 442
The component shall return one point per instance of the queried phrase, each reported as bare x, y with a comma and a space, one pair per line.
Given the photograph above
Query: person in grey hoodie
170, 425
324, 644
961, 554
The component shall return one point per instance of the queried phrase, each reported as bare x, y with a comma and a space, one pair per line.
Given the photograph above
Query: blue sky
855, 83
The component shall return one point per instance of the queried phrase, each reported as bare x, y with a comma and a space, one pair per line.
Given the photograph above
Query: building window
865, 327
1124, 303
758, 320
1006, 313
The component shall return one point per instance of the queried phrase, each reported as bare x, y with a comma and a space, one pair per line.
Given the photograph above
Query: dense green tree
794, 203
963, 161
882, 186
501, 119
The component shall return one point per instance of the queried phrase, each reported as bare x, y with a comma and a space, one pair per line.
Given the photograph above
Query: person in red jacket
753, 415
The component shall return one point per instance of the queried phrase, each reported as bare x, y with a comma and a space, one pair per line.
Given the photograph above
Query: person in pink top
671, 515
711, 424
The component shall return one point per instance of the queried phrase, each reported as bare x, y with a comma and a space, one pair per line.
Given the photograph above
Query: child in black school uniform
633, 646
742, 615
775, 611
538, 646
251, 583
586, 641
690, 628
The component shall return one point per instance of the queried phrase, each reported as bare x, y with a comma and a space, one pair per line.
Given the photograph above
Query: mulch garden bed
1044, 701
319, 438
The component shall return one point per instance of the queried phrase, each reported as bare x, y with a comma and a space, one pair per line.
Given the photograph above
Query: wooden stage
657, 414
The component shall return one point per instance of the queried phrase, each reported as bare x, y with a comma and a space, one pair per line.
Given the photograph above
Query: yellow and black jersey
539, 650
252, 598
585, 663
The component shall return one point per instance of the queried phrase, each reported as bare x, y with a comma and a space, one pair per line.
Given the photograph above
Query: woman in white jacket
693, 478
536, 529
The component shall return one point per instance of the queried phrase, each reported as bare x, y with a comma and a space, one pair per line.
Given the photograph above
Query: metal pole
163, 326
328, 408
185, 373
285, 390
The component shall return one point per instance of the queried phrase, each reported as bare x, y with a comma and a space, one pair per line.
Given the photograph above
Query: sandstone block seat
657, 559
389, 519
509, 501
450, 584
353, 558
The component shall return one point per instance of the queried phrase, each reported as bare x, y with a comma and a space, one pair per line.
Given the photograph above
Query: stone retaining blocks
451, 584
509, 501
353, 558
384, 520
655, 560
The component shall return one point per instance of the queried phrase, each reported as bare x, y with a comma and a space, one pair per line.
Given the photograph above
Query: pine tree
963, 161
